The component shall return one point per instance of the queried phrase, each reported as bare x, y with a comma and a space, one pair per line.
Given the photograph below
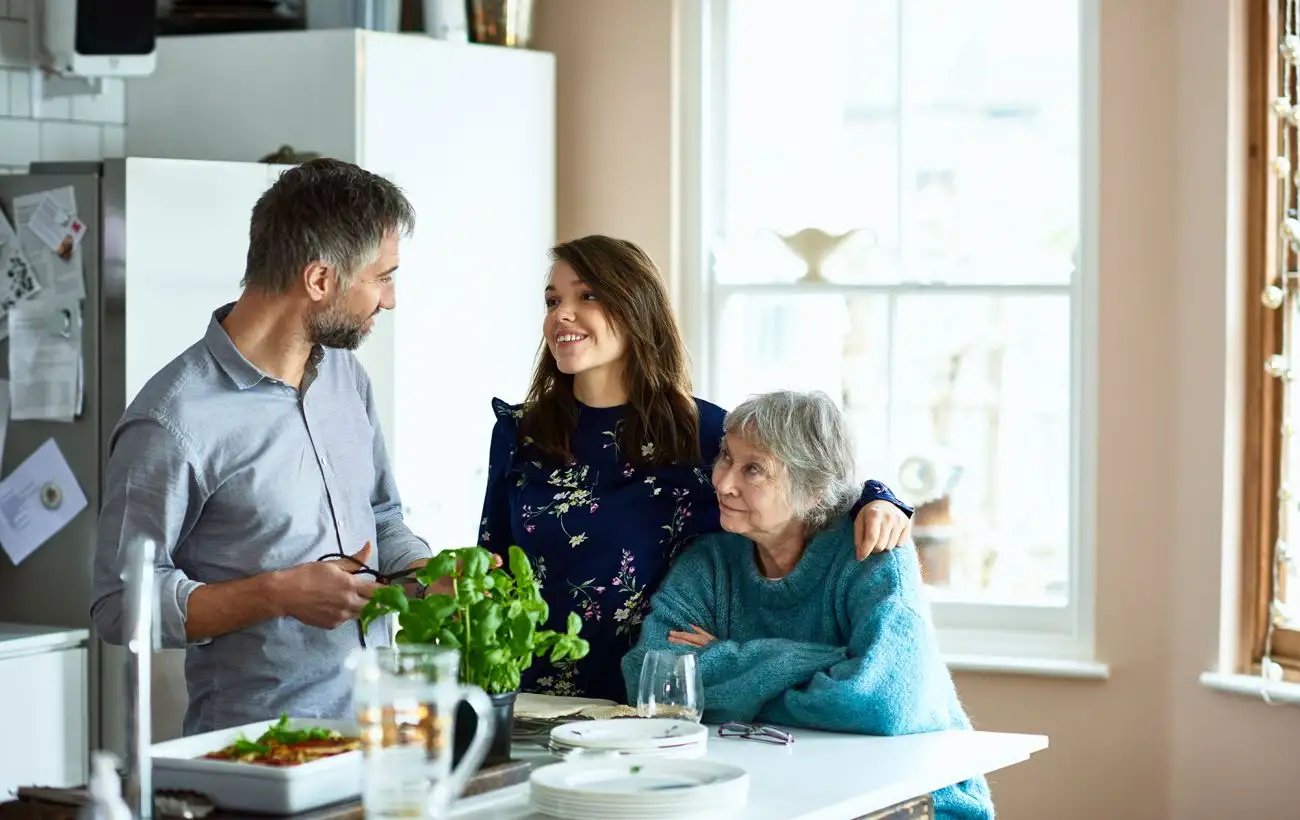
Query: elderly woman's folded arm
892, 681
739, 677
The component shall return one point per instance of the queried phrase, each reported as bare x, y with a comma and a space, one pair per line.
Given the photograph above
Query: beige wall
1150, 742
615, 120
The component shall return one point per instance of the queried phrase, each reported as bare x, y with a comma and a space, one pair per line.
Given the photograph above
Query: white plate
629, 733
690, 750
644, 778
179, 764
644, 789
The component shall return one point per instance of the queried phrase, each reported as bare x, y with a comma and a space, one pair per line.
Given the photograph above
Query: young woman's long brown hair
631, 291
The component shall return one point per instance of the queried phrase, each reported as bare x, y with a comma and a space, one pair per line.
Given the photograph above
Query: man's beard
335, 328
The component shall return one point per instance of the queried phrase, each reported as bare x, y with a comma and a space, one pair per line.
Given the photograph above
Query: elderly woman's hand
880, 526
696, 637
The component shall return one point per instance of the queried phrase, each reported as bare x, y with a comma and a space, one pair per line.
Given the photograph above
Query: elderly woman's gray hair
807, 434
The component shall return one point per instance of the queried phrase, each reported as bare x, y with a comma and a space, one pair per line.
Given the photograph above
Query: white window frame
975, 631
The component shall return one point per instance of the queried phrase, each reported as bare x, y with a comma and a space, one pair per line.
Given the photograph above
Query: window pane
810, 137
991, 169
947, 131
981, 392
835, 344
961, 403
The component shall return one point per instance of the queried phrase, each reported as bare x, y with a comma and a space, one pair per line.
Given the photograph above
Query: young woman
602, 473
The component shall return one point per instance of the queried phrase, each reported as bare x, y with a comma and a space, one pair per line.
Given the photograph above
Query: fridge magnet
51, 495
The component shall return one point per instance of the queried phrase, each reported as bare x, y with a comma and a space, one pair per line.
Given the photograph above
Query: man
257, 452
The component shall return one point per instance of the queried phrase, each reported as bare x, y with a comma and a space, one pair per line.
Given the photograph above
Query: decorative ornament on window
1280, 294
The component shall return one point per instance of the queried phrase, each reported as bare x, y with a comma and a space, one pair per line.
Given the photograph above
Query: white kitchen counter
43, 676
822, 776
27, 639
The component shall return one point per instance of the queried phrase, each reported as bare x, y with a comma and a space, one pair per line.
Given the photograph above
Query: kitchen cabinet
43, 685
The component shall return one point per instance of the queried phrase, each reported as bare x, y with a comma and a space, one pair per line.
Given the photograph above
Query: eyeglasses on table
755, 731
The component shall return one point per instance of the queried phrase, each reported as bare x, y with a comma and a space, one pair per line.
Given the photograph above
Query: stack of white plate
640, 737
639, 789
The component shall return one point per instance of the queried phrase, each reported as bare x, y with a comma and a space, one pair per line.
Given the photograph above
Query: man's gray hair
807, 434
325, 210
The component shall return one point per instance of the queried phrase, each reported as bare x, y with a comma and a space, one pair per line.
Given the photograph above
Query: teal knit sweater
837, 644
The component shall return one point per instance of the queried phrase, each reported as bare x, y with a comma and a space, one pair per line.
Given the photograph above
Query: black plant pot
503, 719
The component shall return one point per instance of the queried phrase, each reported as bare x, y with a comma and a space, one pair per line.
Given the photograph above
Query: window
1271, 519
892, 206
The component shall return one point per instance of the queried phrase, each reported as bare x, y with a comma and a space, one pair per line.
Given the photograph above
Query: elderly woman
789, 628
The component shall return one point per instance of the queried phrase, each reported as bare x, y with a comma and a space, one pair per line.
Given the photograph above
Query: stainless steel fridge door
52, 585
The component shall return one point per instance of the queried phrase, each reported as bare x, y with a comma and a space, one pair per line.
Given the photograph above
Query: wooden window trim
1263, 328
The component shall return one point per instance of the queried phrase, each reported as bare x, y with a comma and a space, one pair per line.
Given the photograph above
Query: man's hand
325, 594
880, 526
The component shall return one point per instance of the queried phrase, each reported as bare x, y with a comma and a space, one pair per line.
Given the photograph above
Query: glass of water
670, 686
405, 697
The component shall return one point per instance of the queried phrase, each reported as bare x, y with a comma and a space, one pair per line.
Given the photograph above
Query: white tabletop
822, 775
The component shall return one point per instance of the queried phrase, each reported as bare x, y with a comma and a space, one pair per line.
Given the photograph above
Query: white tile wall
85, 127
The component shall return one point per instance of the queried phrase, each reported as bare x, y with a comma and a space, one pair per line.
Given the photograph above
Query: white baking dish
179, 764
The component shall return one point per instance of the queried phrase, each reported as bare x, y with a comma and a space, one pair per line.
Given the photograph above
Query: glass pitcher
406, 698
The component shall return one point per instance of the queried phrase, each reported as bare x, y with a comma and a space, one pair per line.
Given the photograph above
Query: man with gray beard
257, 452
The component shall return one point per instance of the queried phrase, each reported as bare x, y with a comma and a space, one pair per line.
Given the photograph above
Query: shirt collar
241, 371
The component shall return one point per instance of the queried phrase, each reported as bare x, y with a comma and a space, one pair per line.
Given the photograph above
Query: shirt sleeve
738, 677
494, 527
398, 547
154, 488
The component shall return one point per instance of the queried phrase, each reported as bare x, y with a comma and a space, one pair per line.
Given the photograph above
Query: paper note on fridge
37, 500
40, 219
45, 360
18, 280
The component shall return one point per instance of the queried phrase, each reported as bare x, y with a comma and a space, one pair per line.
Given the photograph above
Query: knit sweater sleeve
738, 677
892, 682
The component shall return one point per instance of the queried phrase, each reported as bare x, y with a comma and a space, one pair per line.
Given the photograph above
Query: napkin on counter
549, 707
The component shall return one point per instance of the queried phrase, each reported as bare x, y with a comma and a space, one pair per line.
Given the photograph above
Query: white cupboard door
44, 723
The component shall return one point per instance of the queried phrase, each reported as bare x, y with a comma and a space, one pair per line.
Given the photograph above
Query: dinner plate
647, 776
627, 734
639, 789
688, 750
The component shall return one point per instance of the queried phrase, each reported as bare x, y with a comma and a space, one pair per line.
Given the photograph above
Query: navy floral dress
600, 532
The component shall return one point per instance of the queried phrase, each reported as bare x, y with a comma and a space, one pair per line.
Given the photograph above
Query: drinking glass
670, 686
405, 698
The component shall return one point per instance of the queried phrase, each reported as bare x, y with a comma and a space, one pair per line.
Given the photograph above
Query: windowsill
1252, 686
1034, 667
